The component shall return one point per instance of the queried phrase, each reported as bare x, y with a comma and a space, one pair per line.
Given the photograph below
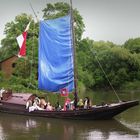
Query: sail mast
74, 51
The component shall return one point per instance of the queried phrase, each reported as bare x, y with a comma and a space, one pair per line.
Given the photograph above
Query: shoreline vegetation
121, 63
97, 96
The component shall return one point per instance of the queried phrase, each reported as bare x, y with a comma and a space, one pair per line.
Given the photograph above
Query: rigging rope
33, 44
105, 74
33, 11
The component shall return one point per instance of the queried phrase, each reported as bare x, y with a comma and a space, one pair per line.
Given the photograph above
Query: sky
108, 20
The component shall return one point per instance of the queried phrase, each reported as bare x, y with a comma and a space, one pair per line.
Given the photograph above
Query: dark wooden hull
94, 113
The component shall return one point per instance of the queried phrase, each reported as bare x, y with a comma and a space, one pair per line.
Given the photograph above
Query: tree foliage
96, 60
133, 45
105, 60
10, 47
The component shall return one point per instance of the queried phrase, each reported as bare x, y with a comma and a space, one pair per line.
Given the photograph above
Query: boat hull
94, 113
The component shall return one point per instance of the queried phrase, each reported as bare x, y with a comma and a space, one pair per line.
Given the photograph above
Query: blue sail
56, 69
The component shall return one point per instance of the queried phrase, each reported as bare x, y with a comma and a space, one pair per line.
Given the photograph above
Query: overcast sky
108, 20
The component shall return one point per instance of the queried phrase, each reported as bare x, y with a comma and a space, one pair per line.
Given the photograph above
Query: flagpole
74, 55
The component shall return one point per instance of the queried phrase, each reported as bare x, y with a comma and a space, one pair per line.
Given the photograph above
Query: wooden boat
16, 104
57, 71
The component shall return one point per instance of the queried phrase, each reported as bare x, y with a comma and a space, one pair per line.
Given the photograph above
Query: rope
105, 74
33, 44
33, 11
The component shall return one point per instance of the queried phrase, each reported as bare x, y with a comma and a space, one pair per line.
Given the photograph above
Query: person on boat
36, 105
80, 103
43, 103
58, 106
49, 107
29, 103
37, 101
67, 104
1, 92
72, 107
86, 103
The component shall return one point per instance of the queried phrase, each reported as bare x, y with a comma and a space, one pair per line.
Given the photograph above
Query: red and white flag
64, 92
21, 39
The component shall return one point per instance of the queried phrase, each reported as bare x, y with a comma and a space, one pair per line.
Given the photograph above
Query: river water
125, 126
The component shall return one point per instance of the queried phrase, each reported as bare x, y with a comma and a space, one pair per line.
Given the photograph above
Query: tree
118, 63
14, 29
133, 45
25, 67
84, 62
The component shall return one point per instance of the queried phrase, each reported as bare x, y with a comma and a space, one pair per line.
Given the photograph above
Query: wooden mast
74, 54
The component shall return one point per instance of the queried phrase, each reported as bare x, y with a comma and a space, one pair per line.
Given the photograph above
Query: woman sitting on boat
80, 103
1, 92
29, 103
67, 104
33, 105
86, 103
43, 103
58, 107
49, 107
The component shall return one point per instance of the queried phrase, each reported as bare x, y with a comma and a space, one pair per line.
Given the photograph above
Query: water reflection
14, 127
31, 124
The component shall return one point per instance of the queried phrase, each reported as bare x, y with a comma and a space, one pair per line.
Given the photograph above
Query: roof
8, 58
19, 98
